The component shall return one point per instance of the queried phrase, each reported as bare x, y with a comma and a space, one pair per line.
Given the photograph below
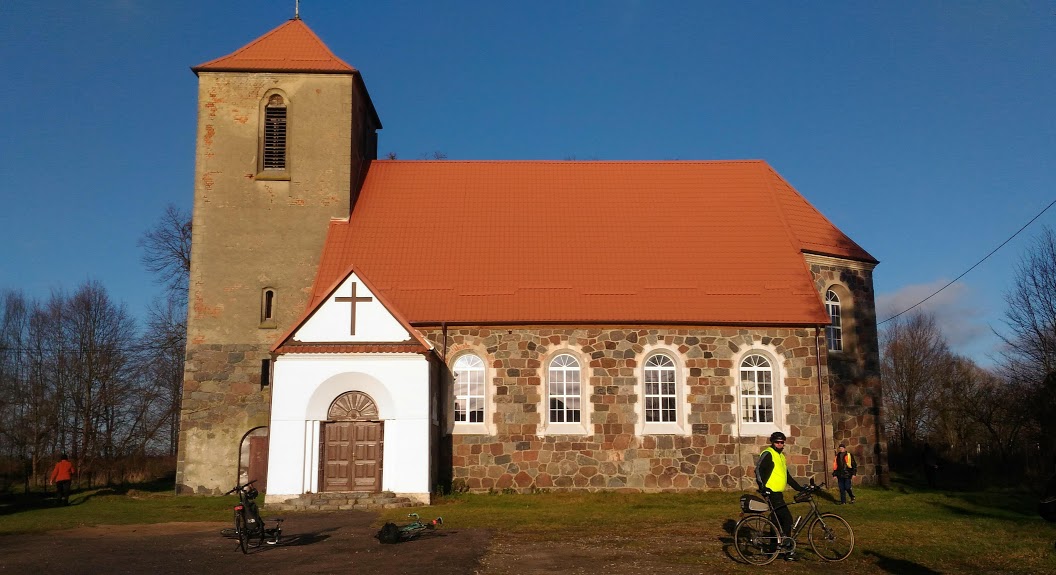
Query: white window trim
830, 328
583, 426
777, 361
465, 427
680, 426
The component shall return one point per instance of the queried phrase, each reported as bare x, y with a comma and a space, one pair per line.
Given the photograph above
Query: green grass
902, 529
897, 530
146, 503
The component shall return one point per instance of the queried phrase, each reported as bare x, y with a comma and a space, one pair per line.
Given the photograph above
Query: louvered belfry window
275, 134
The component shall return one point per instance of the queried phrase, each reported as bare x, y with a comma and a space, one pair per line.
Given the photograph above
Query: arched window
757, 389
267, 305
563, 391
267, 308
834, 333
273, 146
661, 395
469, 389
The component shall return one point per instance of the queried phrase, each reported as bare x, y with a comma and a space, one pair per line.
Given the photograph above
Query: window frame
834, 331
267, 308
778, 393
264, 172
470, 427
581, 427
678, 425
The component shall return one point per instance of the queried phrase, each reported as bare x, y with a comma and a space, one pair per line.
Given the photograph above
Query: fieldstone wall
253, 231
854, 372
222, 401
711, 453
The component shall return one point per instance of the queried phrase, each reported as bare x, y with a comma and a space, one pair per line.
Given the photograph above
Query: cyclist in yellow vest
772, 475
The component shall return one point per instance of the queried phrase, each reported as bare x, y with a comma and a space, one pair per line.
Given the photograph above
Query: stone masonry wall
711, 454
222, 401
252, 231
854, 373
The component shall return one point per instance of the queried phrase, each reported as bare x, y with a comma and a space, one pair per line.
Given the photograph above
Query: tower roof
292, 47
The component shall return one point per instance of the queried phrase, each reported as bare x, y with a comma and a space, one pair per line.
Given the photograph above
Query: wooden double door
351, 458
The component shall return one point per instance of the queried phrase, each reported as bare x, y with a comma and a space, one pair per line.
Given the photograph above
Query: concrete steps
343, 501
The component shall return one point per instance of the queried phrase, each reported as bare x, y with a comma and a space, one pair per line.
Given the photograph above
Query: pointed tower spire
292, 47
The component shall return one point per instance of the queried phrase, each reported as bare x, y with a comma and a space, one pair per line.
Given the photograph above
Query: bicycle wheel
240, 529
831, 537
755, 538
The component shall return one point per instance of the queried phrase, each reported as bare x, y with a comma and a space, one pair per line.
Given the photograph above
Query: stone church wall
854, 372
710, 453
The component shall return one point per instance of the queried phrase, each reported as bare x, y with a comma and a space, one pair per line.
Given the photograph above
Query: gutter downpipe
821, 408
443, 330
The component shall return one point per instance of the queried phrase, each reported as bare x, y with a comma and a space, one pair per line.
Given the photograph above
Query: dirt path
323, 543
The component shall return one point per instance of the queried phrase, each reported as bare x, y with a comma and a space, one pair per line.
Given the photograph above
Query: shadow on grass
20, 502
991, 503
900, 566
11, 504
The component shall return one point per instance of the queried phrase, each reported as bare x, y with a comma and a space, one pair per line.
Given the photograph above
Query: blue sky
924, 130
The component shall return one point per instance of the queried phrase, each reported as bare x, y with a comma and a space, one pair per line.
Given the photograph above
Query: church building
366, 325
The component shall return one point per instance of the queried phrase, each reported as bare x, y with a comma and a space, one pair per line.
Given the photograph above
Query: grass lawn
146, 503
897, 530
901, 529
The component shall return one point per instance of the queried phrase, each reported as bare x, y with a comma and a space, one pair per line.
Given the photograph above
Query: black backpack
389, 533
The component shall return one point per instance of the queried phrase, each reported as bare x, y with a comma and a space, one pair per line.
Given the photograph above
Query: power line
954, 280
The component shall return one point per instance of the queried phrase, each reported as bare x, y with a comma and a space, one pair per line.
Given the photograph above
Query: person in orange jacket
62, 476
844, 467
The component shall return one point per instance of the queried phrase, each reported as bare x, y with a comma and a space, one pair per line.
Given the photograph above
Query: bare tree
165, 342
915, 360
167, 254
1030, 357
167, 250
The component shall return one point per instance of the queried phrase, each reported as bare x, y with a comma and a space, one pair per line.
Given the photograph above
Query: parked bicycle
758, 538
392, 533
249, 526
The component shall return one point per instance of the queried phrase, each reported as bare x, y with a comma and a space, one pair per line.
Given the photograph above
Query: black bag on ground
389, 533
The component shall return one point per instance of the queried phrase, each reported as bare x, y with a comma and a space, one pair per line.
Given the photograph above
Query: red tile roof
351, 348
511, 242
292, 47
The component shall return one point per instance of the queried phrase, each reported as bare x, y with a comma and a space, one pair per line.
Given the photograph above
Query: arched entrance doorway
352, 445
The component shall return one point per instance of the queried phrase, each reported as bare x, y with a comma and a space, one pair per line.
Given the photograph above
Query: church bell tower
286, 131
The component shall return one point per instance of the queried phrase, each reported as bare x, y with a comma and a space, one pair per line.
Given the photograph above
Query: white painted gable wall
304, 386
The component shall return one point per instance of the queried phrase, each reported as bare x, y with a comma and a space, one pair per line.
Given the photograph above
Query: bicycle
758, 539
249, 526
392, 533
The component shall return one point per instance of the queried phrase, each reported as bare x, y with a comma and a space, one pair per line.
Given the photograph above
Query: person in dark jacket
844, 467
772, 476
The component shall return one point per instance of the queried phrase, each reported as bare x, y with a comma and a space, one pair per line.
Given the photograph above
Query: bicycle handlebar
238, 487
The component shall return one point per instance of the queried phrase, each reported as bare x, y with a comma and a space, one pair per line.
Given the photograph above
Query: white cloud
957, 314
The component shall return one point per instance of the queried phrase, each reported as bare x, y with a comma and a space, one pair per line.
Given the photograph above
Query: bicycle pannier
389, 533
753, 504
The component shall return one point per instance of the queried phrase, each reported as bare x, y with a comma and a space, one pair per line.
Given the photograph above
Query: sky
925, 131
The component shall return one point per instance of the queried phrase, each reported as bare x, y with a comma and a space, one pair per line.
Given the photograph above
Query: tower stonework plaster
254, 230
854, 372
712, 452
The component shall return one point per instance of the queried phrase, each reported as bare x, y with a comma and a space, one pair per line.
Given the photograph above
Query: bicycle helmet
777, 436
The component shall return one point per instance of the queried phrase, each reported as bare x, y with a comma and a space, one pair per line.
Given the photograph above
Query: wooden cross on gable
353, 300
